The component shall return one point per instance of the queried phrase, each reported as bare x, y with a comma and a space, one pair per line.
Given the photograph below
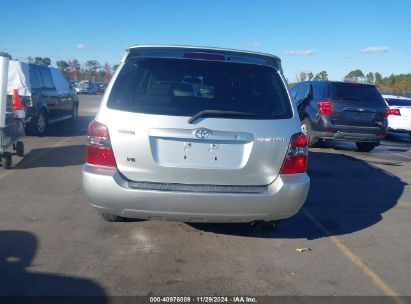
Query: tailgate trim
196, 187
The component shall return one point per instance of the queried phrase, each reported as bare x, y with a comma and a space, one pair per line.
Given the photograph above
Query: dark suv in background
46, 94
341, 111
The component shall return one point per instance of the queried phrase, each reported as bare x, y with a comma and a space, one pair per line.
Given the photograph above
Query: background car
45, 92
341, 111
73, 84
399, 119
100, 88
86, 87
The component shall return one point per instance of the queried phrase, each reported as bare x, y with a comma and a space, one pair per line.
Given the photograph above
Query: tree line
73, 70
93, 70
400, 84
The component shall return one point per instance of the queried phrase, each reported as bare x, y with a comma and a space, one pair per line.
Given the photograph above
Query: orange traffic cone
16, 101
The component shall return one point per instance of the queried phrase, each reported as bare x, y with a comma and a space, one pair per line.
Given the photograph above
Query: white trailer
12, 122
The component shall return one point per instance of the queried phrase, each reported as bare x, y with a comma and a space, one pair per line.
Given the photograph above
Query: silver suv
196, 134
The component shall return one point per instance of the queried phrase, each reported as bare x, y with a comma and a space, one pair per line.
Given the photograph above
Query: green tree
62, 65
40, 60
390, 80
355, 76
400, 84
302, 76
369, 78
7, 55
92, 66
378, 78
323, 75
30, 59
46, 61
310, 75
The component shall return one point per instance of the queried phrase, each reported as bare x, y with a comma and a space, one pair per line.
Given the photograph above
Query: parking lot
355, 224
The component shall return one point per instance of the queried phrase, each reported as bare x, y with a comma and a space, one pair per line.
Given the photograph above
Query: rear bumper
107, 190
399, 124
325, 129
350, 136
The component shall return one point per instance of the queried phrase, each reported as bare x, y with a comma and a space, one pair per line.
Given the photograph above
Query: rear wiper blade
218, 113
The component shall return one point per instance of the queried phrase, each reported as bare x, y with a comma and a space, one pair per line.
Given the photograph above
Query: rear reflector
100, 156
395, 112
296, 159
324, 107
294, 164
204, 56
98, 148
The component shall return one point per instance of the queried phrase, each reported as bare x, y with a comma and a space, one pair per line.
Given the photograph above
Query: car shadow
17, 250
68, 128
398, 137
64, 156
346, 195
391, 140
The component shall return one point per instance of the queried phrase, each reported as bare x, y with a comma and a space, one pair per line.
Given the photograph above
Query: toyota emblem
202, 133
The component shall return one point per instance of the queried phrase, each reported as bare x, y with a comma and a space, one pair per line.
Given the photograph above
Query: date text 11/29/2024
203, 299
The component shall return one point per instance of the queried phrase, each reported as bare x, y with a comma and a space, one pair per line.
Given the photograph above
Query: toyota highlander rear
197, 135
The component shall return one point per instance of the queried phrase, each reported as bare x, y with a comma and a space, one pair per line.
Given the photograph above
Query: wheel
38, 125
6, 160
365, 146
307, 130
74, 113
20, 148
111, 217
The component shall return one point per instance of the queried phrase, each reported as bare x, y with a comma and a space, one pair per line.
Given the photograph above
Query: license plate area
358, 116
200, 154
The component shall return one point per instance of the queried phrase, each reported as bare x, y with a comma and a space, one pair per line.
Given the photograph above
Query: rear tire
20, 148
38, 125
6, 160
111, 218
74, 113
307, 130
365, 146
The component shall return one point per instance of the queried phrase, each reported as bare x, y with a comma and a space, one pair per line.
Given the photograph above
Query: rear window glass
185, 87
35, 79
353, 91
46, 77
399, 102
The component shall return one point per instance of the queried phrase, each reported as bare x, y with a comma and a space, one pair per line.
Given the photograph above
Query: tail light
387, 113
296, 159
324, 107
98, 148
395, 112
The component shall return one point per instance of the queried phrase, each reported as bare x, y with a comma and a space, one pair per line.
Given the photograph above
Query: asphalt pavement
356, 224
